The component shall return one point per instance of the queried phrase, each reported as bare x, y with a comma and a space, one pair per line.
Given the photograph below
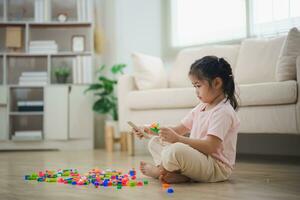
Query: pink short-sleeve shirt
222, 122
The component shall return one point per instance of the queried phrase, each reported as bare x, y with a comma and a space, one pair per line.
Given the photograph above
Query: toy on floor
97, 177
168, 188
155, 128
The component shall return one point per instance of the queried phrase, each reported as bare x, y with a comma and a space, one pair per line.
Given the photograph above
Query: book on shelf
84, 10
30, 103
27, 135
41, 10
47, 10
33, 78
38, 10
82, 70
30, 133
30, 106
43, 46
33, 74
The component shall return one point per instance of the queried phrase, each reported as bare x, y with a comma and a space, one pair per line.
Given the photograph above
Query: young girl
208, 154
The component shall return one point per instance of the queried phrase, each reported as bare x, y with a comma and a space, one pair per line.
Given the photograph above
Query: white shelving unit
66, 118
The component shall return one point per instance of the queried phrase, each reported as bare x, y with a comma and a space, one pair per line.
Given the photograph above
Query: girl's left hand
168, 135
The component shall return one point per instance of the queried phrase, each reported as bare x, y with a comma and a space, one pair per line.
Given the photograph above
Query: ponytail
229, 85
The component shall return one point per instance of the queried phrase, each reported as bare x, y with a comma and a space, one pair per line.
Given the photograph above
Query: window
202, 21
273, 17
195, 22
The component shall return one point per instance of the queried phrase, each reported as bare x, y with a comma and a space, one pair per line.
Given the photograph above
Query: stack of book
43, 46
33, 78
82, 70
85, 10
42, 10
27, 135
30, 106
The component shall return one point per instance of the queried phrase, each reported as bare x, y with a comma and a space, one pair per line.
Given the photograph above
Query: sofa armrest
298, 69
126, 84
298, 98
298, 77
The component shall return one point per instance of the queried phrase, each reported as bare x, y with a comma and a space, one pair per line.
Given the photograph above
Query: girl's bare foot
174, 178
149, 169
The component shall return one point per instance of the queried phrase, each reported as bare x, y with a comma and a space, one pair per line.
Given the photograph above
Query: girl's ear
217, 83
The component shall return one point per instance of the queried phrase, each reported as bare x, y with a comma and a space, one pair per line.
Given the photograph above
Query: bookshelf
37, 110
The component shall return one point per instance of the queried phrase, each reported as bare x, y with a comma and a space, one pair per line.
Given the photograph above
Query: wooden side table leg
109, 138
130, 144
123, 141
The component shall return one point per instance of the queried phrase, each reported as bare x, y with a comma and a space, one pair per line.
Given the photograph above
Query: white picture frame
78, 43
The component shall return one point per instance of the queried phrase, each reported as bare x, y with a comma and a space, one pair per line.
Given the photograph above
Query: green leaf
104, 93
118, 68
102, 106
94, 86
107, 102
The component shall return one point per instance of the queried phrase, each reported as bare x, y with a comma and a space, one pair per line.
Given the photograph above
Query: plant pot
61, 79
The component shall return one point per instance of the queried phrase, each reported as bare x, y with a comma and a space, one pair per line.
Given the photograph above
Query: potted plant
106, 100
62, 74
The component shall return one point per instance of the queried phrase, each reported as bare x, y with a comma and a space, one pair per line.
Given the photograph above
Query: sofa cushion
272, 93
162, 99
148, 72
257, 60
178, 76
286, 65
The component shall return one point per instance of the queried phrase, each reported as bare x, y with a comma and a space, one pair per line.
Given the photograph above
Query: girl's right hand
140, 131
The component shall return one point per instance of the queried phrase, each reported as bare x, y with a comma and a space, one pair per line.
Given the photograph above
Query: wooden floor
252, 179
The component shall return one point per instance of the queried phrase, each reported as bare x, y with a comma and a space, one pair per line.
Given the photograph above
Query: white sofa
266, 105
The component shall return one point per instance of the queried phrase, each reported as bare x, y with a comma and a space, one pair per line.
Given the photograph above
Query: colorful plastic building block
146, 182
155, 127
119, 187
170, 190
96, 177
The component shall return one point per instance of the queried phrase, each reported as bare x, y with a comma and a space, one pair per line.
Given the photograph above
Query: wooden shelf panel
59, 24
25, 86
26, 113
26, 140
46, 24
64, 53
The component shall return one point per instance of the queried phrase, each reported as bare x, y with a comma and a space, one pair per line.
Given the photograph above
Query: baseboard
269, 144
76, 144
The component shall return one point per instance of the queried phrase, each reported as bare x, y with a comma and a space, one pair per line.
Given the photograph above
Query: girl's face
205, 92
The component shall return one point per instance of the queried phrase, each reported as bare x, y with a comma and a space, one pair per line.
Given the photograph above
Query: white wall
127, 26
131, 25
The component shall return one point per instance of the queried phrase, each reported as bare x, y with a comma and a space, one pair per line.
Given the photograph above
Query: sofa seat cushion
167, 98
270, 93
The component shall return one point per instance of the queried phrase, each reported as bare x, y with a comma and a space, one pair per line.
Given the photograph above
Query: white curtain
201, 21
273, 17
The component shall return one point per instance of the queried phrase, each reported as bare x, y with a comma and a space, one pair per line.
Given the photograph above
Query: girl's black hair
210, 67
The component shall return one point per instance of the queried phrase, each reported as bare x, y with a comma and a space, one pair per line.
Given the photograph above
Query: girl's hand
168, 135
139, 132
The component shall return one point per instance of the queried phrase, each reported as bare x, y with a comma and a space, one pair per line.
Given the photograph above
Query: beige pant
189, 161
